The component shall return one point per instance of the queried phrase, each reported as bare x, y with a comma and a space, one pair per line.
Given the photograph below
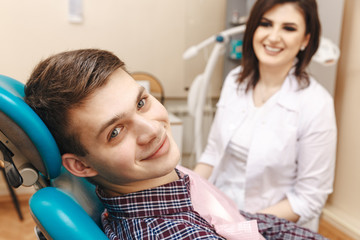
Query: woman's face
279, 36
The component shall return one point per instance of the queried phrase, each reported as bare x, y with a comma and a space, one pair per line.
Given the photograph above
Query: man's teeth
272, 49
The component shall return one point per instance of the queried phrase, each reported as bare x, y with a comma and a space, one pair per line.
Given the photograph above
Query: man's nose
147, 130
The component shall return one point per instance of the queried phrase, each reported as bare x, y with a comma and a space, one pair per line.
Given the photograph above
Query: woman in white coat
272, 144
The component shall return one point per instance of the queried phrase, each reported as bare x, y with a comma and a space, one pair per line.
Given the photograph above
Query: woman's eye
141, 103
115, 132
265, 24
290, 29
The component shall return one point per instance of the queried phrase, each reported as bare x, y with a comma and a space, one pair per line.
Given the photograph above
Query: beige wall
149, 35
343, 207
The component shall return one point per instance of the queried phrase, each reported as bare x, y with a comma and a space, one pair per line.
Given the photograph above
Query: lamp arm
194, 50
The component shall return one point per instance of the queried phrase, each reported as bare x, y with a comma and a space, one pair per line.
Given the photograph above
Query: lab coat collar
289, 90
287, 95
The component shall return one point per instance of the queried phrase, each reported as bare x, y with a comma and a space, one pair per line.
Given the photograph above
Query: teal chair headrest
24, 129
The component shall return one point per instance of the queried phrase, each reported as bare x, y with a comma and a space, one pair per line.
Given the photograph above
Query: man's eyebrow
119, 116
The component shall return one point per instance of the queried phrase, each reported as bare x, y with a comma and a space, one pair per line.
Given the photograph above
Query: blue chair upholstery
67, 207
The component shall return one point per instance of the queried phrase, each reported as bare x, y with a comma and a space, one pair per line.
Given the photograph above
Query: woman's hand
204, 170
282, 210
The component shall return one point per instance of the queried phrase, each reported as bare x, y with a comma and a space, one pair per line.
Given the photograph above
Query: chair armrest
61, 217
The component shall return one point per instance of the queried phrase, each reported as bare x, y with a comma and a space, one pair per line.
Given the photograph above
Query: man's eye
141, 103
115, 132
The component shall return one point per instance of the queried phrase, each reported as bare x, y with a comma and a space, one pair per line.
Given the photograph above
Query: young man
111, 131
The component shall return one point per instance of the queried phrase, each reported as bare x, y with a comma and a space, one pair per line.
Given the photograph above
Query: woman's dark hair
250, 64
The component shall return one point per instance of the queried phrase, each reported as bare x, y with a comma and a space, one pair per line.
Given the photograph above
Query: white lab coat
292, 152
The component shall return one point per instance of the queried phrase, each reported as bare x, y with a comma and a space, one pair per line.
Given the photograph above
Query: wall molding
343, 221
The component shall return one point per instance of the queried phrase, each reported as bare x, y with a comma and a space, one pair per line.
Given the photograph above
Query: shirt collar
289, 91
170, 198
287, 94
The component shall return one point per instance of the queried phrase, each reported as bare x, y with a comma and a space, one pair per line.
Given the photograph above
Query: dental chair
64, 206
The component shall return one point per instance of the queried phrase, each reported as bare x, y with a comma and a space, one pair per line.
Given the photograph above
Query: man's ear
77, 166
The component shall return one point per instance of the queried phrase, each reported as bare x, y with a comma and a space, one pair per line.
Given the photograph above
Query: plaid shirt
273, 228
164, 212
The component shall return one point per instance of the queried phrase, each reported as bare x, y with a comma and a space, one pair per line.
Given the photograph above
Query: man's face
126, 132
